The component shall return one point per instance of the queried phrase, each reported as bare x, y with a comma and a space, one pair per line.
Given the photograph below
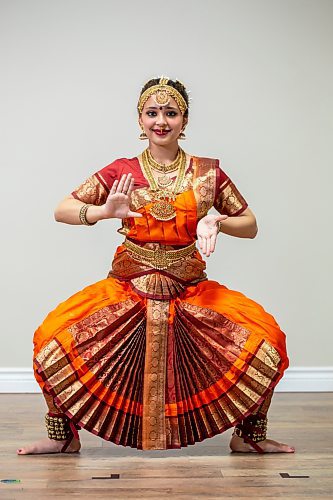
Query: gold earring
182, 136
143, 135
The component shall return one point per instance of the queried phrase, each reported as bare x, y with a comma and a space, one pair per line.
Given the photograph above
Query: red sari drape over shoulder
157, 359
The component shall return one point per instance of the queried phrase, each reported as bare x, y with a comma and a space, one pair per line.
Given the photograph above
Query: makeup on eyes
170, 113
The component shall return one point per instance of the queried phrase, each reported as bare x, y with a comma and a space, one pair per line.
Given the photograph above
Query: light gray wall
260, 72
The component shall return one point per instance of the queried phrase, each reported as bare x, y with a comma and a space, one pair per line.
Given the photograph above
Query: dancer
157, 356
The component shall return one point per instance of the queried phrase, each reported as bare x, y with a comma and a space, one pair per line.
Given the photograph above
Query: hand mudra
207, 230
117, 204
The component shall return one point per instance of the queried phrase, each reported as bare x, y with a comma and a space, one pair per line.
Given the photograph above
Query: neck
164, 154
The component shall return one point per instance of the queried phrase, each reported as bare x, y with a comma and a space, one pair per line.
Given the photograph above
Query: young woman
157, 356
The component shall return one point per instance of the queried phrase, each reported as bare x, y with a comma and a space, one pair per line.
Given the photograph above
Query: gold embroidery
92, 191
157, 286
140, 197
153, 418
207, 339
90, 327
269, 355
52, 358
259, 375
125, 226
91, 382
188, 271
160, 257
229, 200
204, 182
99, 382
143, 196
230, 337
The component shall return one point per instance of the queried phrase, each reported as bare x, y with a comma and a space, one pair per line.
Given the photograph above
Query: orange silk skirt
158, 374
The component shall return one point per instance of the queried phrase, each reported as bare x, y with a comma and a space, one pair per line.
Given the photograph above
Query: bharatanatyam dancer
156, 356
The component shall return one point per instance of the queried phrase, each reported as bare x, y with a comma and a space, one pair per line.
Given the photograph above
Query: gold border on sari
204, 184
153, 417
229, 200
91, 191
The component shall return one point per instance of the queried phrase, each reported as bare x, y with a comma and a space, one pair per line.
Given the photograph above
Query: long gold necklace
162, 209
164, 181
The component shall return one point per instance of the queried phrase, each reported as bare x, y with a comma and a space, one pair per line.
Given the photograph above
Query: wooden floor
206, 470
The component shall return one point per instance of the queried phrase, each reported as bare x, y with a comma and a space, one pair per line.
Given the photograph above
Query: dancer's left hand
207, 231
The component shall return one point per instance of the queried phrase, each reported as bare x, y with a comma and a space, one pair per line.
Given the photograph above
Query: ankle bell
253, 428
58, 427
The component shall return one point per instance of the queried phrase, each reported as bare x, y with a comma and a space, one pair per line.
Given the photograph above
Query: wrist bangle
219, 226
83, 215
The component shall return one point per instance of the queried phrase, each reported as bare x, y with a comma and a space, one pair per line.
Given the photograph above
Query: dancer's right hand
117, 204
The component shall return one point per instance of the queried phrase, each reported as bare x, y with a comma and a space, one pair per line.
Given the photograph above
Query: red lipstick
161, 132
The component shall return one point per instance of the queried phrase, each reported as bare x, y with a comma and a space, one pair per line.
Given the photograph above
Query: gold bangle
219, 226
83, 215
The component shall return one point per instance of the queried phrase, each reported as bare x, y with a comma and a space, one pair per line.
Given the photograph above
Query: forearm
69, 209
242, 226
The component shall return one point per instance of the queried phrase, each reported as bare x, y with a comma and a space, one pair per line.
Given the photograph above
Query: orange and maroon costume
160, 358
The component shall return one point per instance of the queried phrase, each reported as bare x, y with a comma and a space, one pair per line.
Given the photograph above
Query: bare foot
268, 446
47, 445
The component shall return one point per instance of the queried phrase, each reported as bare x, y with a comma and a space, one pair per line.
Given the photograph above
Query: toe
290, 449
282, 448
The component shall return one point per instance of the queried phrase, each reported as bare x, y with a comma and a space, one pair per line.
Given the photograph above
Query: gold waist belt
159, 258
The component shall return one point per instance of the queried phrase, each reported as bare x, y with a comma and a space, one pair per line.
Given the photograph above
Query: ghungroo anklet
253, 430
253, 427
58, 427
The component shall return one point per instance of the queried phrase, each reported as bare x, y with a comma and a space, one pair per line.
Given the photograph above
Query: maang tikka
161, 93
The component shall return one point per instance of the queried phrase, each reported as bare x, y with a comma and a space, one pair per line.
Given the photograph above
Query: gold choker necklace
161, 167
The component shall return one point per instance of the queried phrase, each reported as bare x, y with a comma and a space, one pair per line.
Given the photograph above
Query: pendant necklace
164, 181
162, 208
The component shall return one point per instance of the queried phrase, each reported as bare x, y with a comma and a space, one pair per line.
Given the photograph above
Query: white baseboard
16, 380
307, 379
296, 379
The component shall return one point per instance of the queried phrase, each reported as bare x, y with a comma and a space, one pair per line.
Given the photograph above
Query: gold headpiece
161, 94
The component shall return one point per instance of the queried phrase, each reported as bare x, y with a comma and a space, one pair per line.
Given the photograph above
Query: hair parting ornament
162, 93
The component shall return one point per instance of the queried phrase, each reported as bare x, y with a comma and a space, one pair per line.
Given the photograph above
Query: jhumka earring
182, 136
143, 135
